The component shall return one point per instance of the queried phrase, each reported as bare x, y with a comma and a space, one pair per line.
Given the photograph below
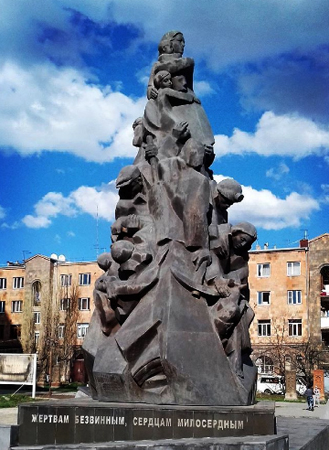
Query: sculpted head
129, 181
229, 191
243, 236
172, 42
179, 83
139, 131
162, 80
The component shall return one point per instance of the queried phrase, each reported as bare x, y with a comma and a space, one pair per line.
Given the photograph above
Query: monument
168, 349
172, 313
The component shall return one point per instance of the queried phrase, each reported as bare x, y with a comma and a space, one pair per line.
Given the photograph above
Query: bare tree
27, 337
68, 339
304, 355
47, 346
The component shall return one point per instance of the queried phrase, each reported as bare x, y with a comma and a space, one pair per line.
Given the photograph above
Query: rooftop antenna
305, 234
25, 252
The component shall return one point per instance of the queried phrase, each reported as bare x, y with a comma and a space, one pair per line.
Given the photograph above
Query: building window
294, 297
36, 338
264, 364
16, 306
18, 282
66, 280
293, 269
295, 327
82, 329
84, 279
61, 331
36, 293
2, 332
84, 304
15, 331
2, 306
3, 283
37, 318
264, 328
264, 298
64, 304
264, 270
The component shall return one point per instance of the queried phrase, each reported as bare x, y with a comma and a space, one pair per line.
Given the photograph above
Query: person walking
309, 397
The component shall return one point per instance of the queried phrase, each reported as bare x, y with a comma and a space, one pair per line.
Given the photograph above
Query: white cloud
36, 221
278, 172
203, 88
53, 109
265, 210
53, 204
89, 200
286, 135
92, 201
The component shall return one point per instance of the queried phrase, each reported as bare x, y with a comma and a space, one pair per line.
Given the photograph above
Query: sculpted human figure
171, 49
232, 313
223, 195
171, 96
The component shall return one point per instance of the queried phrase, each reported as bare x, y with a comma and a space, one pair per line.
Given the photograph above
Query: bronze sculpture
171, 312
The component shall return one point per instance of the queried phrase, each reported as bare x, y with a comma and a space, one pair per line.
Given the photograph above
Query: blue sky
73, 76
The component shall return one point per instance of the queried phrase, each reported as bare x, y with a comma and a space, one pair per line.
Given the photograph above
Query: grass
278, 398
10, 401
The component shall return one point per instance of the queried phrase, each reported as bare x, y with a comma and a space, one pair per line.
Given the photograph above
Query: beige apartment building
289, 293
46, 304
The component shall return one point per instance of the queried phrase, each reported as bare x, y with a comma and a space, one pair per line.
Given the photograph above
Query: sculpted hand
180, 130
152, 93
203, 256
150, 150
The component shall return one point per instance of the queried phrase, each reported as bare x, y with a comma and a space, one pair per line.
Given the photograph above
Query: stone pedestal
290, 393
83, 421
318, 380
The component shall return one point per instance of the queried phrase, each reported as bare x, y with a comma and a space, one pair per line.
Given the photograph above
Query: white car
270, 384
273, 384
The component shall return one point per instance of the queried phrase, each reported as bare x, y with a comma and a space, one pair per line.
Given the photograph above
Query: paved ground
290, 409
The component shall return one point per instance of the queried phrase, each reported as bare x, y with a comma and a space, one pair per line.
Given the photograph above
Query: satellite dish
61, 258
53, 256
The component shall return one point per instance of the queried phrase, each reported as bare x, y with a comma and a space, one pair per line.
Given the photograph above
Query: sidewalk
299, 410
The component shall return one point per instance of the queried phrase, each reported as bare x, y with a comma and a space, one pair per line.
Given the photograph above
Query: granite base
85, 421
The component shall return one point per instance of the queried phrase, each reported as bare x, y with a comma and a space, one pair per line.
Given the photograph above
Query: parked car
270, 384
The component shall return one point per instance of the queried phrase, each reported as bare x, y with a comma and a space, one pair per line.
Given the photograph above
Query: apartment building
44, 302
289, 293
